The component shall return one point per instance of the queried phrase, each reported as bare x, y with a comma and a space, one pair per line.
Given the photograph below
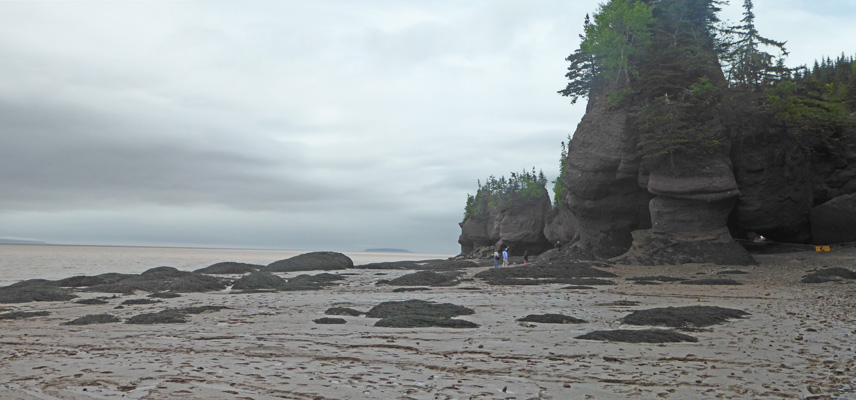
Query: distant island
387, 251
18, 241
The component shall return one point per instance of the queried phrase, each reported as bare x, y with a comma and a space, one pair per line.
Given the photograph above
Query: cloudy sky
311, 125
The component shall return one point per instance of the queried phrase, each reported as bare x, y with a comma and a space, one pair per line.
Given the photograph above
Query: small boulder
259, 280
639, 336
229, 267
834, 221
316, 261
93, 319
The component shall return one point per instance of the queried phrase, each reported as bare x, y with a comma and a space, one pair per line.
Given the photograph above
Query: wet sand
798, 342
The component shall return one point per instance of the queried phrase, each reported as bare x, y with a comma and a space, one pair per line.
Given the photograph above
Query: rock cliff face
602, 180
518, 227
561, 225
834, 222
774, 174
689, 214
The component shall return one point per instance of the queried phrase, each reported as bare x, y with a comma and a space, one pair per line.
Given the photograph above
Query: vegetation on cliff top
521, 189
674, 66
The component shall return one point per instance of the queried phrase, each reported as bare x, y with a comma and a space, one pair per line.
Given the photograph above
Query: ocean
22, 262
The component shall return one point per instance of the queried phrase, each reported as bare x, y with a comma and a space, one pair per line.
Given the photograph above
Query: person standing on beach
496, 259
505, 257
526, 256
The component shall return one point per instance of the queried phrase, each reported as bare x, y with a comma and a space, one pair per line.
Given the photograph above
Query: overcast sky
311, 125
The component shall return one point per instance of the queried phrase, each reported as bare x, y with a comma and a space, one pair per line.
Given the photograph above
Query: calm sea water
22, 262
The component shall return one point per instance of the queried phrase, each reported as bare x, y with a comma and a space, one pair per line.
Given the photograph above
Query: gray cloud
316, 125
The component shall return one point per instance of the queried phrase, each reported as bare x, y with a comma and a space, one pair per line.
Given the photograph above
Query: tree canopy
619, 33
521, 189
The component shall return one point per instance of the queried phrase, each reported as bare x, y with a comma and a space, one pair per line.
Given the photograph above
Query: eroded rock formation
602, 180
520, 227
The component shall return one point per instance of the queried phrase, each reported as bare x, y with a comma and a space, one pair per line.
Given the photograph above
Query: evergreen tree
746, 64
607, 50
559, 186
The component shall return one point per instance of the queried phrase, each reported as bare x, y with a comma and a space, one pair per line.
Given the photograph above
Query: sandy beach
796, 343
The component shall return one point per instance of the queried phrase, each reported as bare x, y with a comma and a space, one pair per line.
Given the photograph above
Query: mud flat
787, 339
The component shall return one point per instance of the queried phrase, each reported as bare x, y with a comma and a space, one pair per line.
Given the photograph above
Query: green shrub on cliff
519, 190
560, 187
607, 50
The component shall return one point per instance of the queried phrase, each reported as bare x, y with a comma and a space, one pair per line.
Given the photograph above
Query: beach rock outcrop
561, 225
259, 280
689, 216
601, 178
316, 261
420, 314
774, 175
229, 267
34, 290
514, 220
834, 222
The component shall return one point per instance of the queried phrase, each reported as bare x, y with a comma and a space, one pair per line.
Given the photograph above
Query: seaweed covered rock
195, 283
91, 301
170, 316
419, 313
161, 279
201, 309
311, 282
712, 281
569, 272
163, 273
80, 281
655, 278
423, 321
93, 319
343, 311
29, 291
328, 321
133, 302
683, 317
316, 261
426, 278
259, 280
639, 336
23, 314
229, 267
164, 295
829, 275
551, 319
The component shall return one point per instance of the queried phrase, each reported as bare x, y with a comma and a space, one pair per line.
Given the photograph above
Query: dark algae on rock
639, 336
569, 272
23, 314
329, 321
343, 311
683, 317
551, 319
712, 281
420, 313
829, 275
93, 319
229, 268
171, 315
316, 261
